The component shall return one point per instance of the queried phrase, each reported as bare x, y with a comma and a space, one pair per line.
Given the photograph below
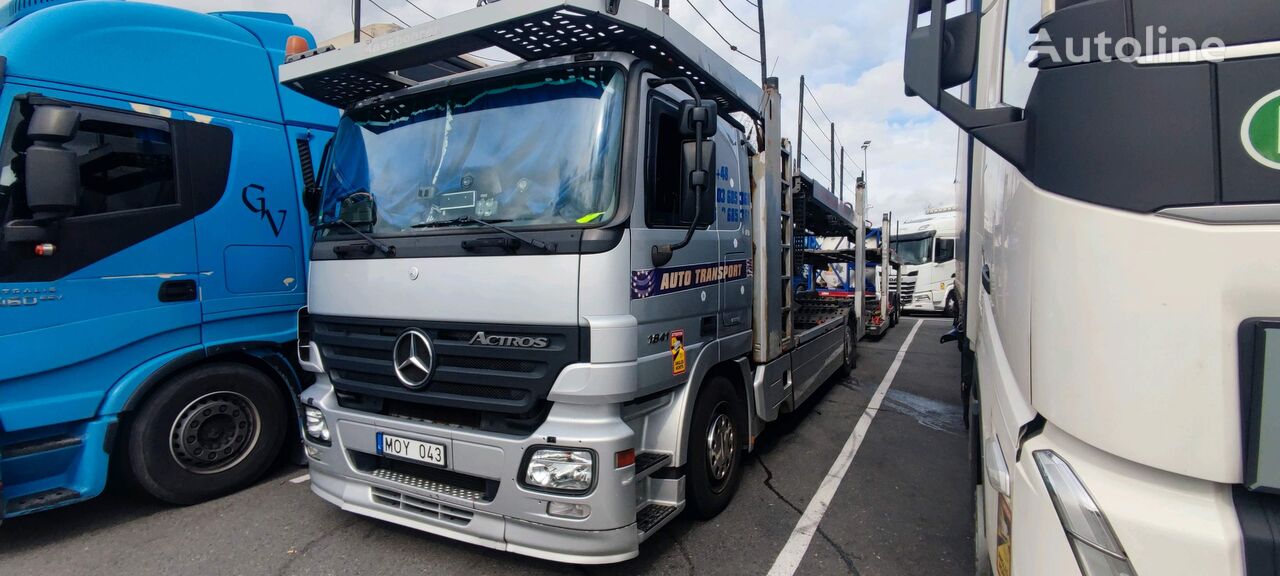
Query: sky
850, 52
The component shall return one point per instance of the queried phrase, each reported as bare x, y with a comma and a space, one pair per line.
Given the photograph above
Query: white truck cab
927, 246
1122, 412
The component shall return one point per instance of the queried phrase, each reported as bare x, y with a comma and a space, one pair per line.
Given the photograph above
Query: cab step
649, 462
45, 499
39, 445
652, 517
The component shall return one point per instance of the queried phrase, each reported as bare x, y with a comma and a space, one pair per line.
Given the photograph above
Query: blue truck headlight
315, 426
1097, 549
560, 470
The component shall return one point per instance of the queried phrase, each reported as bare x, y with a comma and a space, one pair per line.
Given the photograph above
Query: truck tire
206, 432
715, 448
849, 355
952, 308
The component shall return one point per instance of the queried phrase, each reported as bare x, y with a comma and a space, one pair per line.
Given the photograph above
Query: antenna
355, 19
764, 70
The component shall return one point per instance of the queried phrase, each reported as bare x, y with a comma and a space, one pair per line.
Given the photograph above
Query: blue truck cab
153, 248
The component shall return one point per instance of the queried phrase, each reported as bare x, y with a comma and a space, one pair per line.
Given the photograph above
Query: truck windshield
538, 149
914, 250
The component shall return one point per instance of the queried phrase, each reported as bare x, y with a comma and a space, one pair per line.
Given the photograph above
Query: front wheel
715, 448
952, 307
208, 431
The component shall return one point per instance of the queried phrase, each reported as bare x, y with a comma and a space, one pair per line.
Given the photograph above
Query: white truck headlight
315, 426
560, 470
1097, 549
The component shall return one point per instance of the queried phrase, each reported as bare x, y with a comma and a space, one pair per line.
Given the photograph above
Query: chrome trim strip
1212, 54
1235, 214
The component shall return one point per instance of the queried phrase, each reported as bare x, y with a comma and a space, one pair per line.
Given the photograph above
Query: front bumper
925, 302
514, 518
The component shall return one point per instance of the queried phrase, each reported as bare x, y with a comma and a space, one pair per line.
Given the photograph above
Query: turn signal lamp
624, 458
296, 45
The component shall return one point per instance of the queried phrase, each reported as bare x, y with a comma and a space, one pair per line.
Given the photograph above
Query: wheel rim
721, 440
848, 348
214, 432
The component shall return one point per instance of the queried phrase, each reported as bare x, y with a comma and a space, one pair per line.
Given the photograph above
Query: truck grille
358, 355
908, 290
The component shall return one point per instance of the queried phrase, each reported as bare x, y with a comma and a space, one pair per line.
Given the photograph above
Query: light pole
865, 173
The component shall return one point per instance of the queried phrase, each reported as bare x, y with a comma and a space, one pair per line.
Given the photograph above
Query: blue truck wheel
208, 431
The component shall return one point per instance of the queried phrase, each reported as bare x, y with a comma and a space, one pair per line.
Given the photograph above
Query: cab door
676, 305
115, 283
251, 240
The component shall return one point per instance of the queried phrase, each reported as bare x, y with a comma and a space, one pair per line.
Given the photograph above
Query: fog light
312, 452
316, 427
560, 470
567, 510
1098, 550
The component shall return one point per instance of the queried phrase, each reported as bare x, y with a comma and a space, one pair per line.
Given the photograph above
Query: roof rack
530, 30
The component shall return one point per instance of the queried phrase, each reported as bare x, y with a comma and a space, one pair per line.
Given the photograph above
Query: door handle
986, 278
177, 291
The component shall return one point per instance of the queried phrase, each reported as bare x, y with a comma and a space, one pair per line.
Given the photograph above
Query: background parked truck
153, 252
650, 325
1123, 415
927, 246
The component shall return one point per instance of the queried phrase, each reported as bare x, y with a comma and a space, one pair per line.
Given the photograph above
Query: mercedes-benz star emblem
414, 358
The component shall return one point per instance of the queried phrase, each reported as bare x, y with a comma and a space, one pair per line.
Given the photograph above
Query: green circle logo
1260, 133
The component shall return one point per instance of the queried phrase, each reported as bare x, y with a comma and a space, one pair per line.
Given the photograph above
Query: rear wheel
849, 357
207, 432
715, 448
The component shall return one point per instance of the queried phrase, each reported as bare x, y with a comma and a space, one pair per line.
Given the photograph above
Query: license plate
415, 450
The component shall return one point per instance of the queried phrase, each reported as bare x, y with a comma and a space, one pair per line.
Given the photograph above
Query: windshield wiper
386, 249
461, 220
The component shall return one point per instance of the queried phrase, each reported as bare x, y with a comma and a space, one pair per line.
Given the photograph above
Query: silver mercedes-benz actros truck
553, 301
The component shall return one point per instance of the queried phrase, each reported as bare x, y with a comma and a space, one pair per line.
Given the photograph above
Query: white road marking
788, 560
300, 479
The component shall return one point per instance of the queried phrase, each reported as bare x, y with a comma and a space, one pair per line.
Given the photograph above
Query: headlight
560, 470
1097, 549
315, 426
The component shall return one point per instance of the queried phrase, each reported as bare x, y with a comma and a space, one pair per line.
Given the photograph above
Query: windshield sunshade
537, 149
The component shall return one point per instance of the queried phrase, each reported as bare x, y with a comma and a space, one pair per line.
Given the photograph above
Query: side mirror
52, 172
943, 54
692, 113
698, 120
359, 209
697, 190
311, 203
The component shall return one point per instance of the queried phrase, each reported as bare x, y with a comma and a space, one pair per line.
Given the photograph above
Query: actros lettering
483, 339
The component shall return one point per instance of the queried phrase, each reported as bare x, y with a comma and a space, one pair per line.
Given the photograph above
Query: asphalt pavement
902, 506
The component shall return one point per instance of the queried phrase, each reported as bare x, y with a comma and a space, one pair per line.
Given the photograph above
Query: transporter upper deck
529, 30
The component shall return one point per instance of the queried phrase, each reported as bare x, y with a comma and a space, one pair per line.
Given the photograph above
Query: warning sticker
1004, 542
678, 360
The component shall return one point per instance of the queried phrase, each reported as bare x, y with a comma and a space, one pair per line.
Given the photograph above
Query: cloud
850, 53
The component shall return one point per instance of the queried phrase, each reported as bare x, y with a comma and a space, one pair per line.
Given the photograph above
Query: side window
946, 250
124, 164
1019, 76
662, 182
